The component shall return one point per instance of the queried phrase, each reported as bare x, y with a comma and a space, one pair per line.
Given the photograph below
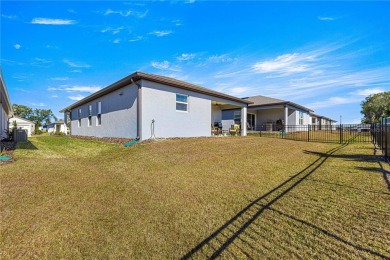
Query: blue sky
327, 56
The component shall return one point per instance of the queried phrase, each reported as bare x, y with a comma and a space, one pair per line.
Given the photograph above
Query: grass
230, 197
320, 136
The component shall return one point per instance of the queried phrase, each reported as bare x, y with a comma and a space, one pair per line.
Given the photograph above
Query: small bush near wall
59, 133
38, 132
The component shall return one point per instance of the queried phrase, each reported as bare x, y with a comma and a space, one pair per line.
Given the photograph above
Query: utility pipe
138, 108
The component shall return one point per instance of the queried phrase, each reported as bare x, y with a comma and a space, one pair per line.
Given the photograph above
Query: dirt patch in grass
235, 197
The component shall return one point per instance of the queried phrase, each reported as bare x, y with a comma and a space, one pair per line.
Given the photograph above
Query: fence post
308, 133
341, 133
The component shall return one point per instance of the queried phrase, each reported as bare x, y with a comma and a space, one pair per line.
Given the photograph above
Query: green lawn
206, 197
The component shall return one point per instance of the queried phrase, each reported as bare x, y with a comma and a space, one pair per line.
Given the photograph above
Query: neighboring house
5, 107
270, 114
144, 105
23, 124
57, 127
322, 123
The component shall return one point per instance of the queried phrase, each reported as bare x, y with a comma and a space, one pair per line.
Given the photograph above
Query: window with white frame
79, 117
300, 118
181, 102
237, 117
89, 115
99, 113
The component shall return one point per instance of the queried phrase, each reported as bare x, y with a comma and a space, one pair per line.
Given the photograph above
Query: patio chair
215, 130
234, 130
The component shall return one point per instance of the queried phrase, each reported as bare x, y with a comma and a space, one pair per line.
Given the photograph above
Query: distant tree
38, 116
44, 116
22, 111
376, 106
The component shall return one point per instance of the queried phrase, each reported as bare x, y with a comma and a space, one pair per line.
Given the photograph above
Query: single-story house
23, 124
322, 123
5, 107
144, 105
57, 127
271, 114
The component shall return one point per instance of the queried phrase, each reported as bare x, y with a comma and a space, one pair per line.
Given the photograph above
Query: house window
79, 117
237, 117
313, 120
89, 115
181, 102
99, 113
300, 118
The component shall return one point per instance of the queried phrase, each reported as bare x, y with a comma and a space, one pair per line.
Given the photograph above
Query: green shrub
59, 133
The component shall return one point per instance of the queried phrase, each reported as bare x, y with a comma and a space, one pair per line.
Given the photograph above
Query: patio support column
243, 120
285, 118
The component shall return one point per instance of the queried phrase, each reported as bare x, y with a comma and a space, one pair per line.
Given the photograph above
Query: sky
327, 56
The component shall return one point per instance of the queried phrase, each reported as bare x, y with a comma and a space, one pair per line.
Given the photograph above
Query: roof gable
259, 101
158, 79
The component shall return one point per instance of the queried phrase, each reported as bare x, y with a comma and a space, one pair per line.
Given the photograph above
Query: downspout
138, 109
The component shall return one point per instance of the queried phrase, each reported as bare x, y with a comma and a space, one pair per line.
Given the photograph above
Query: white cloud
286, 64
84, 89
135, 39
49, 21
326, 18
113, 30
76, 71
54, 96
220, 58
40, 60
122, 13
17, 46
38, 104
12, 17
190, 1
186, 57
333, 101
89, 89
76, 64
76, 98
164, 65
117, 41
177, 22
238, 90
48, 46
60, 78
161, 33
369, 91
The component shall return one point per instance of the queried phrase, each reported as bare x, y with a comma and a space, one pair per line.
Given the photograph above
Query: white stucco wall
118, 118
3, 122
216, 114
22, 124
265, 115
159, 104
52, 128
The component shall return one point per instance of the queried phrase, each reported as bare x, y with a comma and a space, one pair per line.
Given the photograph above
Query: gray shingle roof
259, 101
158, 79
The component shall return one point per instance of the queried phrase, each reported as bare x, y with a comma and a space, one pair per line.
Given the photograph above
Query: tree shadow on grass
385, 173
26, 146
231, 232
349, 157
347, 186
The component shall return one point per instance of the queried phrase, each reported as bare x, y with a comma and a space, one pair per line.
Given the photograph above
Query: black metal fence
354, 133
381, 136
